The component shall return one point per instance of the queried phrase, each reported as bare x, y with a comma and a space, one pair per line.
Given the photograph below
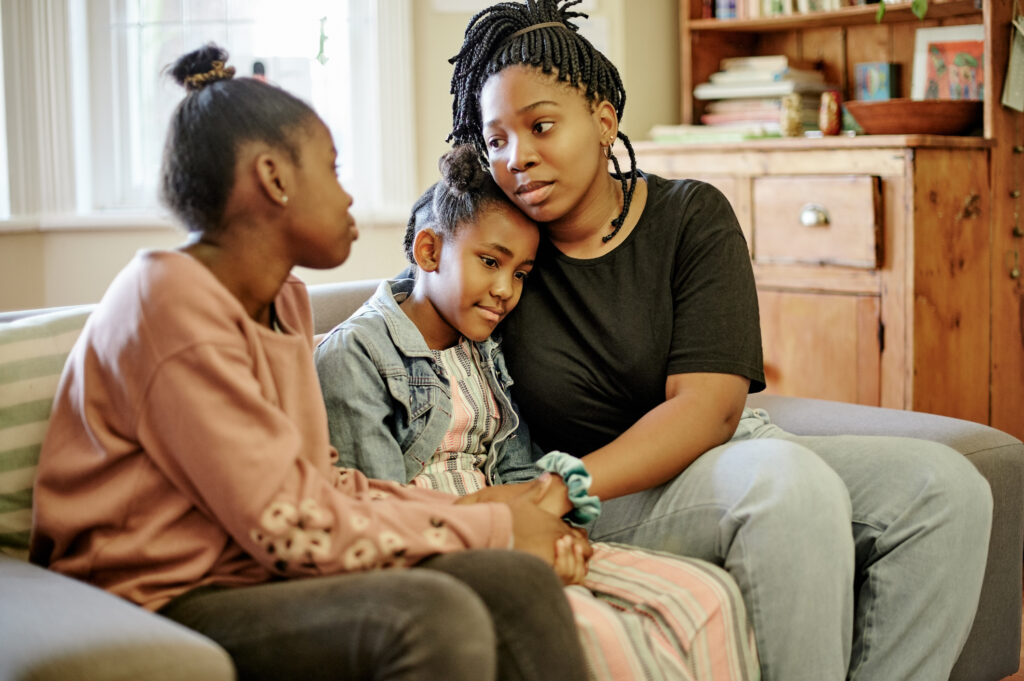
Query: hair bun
201, 67
462, 170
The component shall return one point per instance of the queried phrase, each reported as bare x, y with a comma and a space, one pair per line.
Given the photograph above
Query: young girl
417, 391
187, 466
635, 345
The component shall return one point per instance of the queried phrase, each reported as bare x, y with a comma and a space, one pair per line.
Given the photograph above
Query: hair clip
217, 72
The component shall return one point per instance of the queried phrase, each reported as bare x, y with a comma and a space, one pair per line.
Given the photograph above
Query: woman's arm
700, 411
716, 337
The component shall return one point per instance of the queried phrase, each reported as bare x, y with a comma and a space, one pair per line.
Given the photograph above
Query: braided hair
217, 116
465, 190
540, 34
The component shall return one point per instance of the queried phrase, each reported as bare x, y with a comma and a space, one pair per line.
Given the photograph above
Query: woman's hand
554, 495
536, 531
537, 526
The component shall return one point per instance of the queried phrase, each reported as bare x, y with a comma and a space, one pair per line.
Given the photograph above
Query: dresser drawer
818, 219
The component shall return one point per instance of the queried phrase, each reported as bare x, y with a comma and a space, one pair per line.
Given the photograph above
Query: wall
72, 264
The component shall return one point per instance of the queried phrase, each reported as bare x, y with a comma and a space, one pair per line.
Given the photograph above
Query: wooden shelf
847, 16
829, 142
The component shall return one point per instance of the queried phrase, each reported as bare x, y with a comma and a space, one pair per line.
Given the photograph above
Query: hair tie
586, 508
546, 24
217, 72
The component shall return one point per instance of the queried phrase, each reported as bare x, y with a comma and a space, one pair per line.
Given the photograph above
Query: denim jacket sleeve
358, 406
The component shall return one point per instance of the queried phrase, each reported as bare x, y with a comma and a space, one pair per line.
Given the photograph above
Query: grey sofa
56, 628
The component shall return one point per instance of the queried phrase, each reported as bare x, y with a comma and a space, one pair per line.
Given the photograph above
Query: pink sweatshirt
188, 446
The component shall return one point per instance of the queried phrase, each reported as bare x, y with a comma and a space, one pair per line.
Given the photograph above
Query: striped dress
640, 614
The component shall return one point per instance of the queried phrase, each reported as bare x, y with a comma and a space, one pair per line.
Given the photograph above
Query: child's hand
502, 494
572, 552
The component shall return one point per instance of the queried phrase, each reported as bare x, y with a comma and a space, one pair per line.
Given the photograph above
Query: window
5, 196
348, 58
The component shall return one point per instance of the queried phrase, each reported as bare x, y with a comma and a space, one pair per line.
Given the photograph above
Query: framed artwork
949, 63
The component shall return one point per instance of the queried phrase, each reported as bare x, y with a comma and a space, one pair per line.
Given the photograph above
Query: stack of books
755, 9
747, 92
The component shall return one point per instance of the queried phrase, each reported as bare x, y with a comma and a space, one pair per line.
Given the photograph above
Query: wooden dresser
888, 266
872, 261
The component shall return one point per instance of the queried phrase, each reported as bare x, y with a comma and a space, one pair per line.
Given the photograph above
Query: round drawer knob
814, 215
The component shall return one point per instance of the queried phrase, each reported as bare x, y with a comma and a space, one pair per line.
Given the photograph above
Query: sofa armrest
58, 628
993, 647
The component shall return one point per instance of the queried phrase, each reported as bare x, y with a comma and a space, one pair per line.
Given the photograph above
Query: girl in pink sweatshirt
187, 466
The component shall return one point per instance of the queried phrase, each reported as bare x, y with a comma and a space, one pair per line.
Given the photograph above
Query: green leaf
880, 13
919, 8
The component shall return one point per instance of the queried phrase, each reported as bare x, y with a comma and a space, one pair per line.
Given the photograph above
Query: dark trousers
473, 616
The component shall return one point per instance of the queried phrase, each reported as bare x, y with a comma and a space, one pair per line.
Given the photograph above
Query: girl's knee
444, 597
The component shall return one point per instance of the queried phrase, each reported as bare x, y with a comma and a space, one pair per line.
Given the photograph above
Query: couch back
34, 346
32, 354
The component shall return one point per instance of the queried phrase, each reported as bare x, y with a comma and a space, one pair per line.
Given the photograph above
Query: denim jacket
389, 402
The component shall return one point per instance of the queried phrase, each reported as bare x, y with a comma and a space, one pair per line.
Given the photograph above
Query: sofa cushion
68, 630
32, 355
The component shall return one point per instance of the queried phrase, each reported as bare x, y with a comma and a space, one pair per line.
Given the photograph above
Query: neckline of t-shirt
592, 262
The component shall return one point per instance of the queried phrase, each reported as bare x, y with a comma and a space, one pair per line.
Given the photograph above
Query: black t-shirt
593, 341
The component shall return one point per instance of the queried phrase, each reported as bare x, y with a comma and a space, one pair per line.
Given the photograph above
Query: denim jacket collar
406, 337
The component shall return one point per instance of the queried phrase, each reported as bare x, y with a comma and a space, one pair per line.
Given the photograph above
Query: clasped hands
537, 526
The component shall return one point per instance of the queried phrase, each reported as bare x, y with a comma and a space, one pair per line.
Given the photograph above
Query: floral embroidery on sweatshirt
294, 535
344, 478
393, 545
361, 555
437, 535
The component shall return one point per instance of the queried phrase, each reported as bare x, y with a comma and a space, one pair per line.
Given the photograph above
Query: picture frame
949, 63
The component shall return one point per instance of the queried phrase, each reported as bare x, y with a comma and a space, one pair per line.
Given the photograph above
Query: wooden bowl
917, 117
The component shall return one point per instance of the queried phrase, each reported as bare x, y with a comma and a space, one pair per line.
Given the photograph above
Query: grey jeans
857, 557
468, 616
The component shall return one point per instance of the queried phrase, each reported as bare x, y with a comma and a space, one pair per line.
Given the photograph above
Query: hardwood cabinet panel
823, 346
952, 296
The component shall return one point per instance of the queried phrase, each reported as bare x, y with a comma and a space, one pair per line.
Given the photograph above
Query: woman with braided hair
634, 347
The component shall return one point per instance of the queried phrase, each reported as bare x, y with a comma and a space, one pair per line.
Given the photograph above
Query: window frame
64, 120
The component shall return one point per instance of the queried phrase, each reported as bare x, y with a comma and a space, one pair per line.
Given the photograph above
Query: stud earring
284, 199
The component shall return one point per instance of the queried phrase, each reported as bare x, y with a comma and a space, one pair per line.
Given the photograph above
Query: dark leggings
473, 616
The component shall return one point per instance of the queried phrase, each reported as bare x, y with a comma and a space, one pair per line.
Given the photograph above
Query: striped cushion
32, 355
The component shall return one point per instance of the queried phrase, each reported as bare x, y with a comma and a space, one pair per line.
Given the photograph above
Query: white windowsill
141, 220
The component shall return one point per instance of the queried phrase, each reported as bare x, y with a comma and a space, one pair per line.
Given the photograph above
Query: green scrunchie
586, 508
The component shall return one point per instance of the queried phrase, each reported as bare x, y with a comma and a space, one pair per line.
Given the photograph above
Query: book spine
725, 9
